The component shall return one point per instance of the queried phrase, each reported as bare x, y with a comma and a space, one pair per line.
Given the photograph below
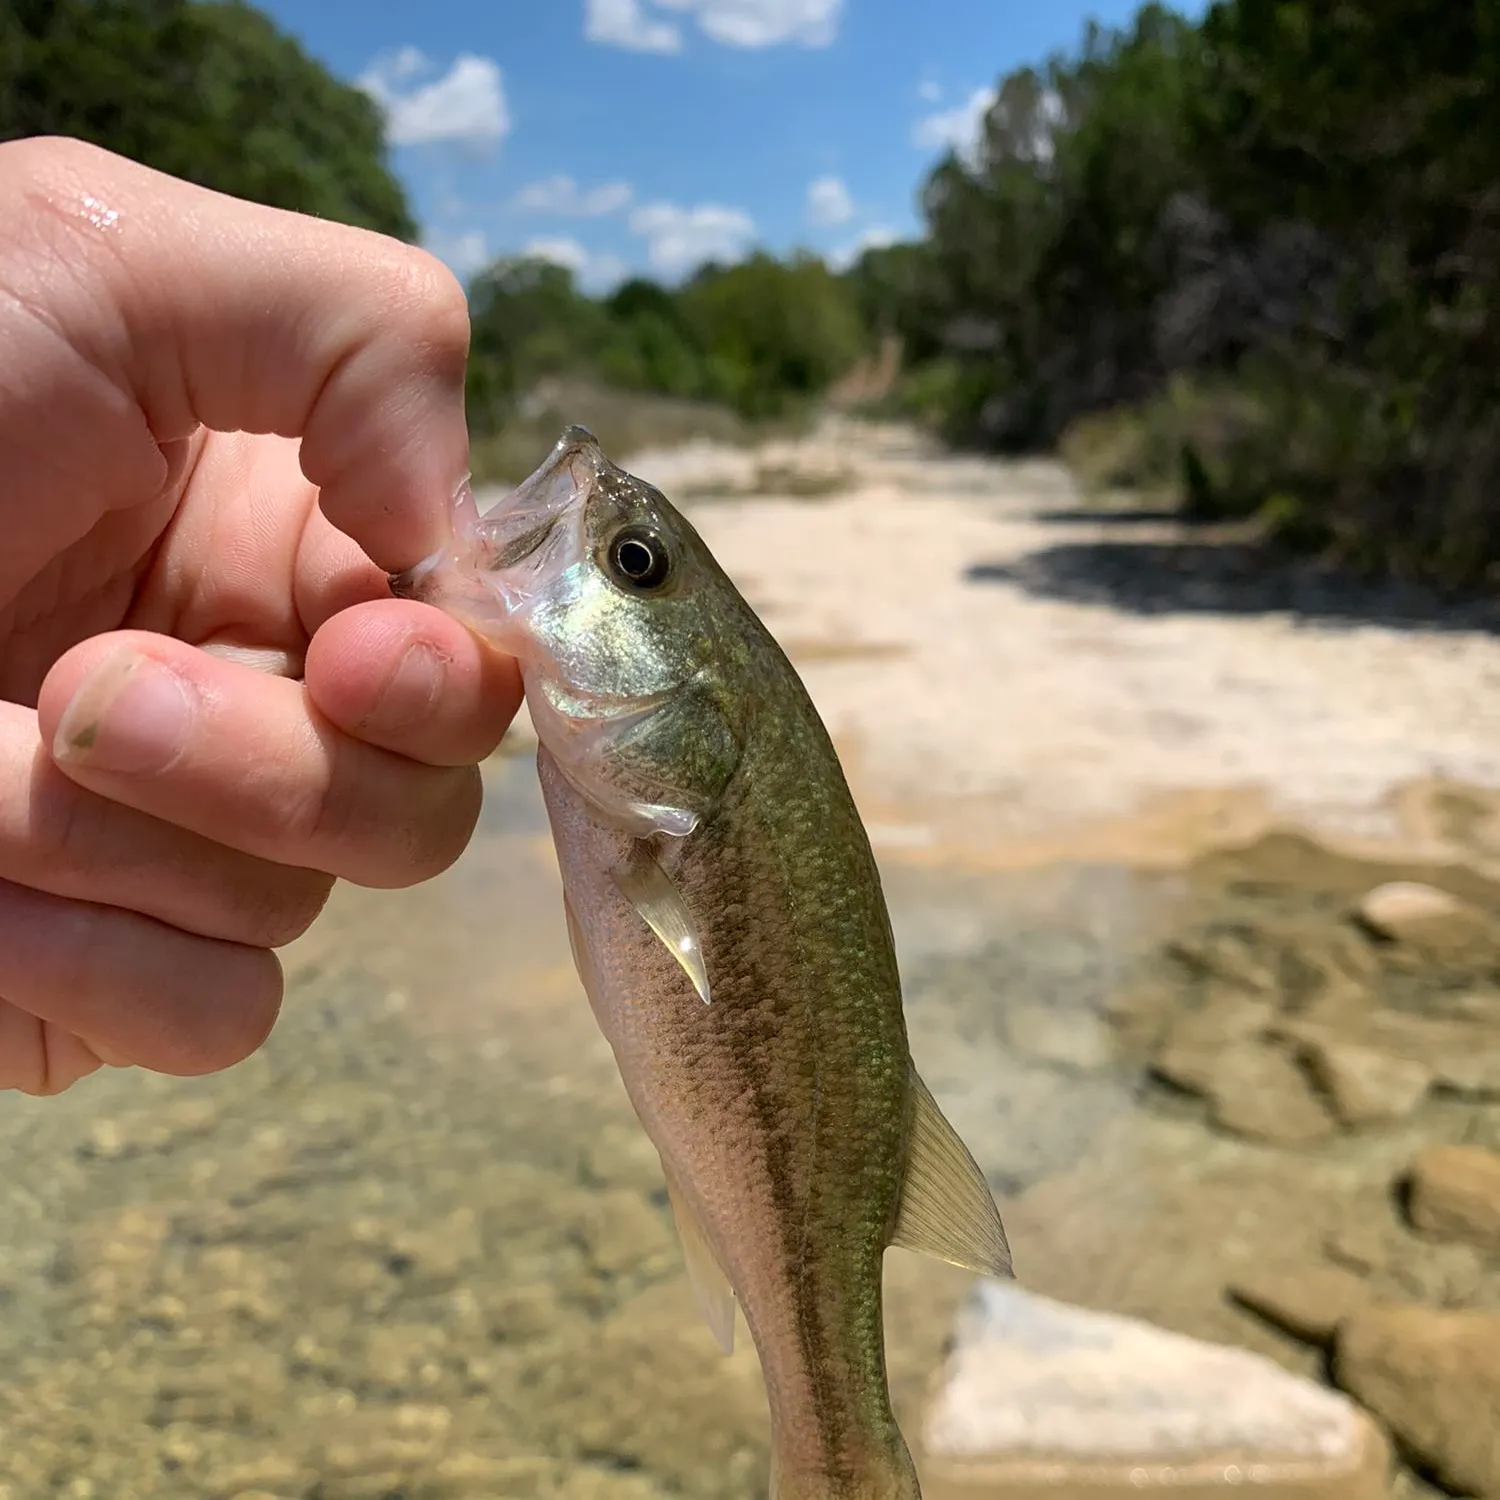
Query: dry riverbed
418, 1247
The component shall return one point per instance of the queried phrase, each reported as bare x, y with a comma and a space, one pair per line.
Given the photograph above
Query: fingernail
412, 689
131, 714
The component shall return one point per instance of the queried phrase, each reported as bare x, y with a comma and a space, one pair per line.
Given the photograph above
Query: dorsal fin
647, 887
947, 1210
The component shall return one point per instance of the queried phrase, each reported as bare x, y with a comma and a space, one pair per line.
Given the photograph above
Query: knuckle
49, 159
423, 292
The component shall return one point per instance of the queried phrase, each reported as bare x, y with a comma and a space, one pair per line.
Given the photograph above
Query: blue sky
648, 135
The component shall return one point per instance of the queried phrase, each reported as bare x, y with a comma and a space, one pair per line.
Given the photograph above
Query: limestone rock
1309, 1303
1193, 1043
1037, 1394
1461, 1056
1230, 958
1464, 1058
1405, 911
1433, 1377
1455, 1195
1259, 1092
1365, 1084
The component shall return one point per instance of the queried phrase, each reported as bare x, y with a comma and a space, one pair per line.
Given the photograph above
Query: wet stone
1454, 1194
1366, 1085
1258, 1091
1038, 1395
1309, 1302
1413, 913
1193, 1044
1433, 1377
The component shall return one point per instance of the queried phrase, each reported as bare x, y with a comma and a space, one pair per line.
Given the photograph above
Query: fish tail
895, 1478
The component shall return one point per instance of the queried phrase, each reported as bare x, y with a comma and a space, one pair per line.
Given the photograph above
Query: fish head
616, 612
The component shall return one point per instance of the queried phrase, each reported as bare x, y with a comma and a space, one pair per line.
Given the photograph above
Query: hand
210, 707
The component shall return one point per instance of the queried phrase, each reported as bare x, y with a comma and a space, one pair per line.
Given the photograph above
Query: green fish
728, 924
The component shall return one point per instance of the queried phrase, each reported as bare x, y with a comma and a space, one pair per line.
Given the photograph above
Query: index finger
205, 310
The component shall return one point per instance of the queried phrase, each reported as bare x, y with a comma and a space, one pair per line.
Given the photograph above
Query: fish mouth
482, 573
518, 530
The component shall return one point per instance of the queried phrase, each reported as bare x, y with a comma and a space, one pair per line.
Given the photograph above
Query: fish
729, 927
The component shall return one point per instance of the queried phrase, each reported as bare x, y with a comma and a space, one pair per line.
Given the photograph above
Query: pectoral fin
711, 1289
646, 886
947, 1210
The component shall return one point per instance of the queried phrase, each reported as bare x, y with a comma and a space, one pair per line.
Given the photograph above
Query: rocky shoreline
1312, 1168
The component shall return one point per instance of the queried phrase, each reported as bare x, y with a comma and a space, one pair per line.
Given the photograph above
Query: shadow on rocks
1197, 575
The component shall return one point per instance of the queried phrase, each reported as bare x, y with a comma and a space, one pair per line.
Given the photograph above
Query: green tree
212, 93
773, 332
1050, 246
528, 321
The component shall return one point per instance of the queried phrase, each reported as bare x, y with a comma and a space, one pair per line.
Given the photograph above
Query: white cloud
681, 238
464, 253
958, 129
929, 90
639, 25
623, 23
562, 195
594, 273
466, 104
876, 238
828, 203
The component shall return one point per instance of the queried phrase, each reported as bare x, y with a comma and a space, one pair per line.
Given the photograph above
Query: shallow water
418, 1246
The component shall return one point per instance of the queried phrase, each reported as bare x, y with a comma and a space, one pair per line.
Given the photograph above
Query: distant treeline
1253, 262
1267, 245
759, 337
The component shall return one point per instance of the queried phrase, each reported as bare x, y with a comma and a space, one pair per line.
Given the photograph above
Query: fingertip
408, 678
221, 1035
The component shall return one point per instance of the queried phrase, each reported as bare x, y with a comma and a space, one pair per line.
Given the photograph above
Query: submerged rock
1455, 1195
1040, 1394
1433, 1377
1309, 1303
1406, 911
1367, 1085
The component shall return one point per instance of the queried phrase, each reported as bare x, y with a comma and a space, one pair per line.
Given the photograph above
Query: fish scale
728, 924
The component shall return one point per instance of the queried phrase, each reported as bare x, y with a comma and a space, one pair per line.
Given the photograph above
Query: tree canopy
1274, 233
213, 93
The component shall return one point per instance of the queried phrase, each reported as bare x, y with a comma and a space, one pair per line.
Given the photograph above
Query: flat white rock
1030, 1377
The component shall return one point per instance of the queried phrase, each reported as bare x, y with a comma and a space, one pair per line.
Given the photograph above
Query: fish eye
638, 558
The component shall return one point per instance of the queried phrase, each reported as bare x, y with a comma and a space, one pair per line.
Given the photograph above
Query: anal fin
947, 1210
649, 890
711, 1288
